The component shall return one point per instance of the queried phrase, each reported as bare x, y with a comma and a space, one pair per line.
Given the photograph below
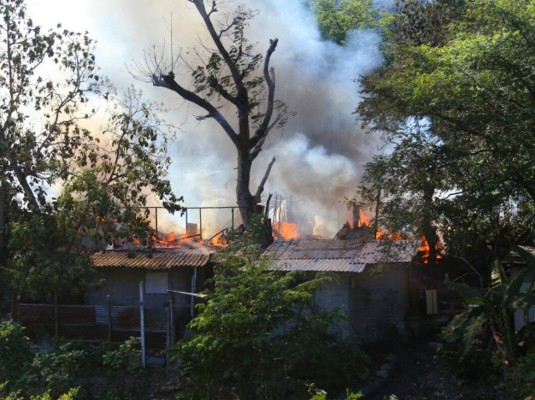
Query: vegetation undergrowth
260, 335
72, 370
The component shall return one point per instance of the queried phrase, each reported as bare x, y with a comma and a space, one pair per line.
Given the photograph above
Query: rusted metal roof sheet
338, 255
187, 255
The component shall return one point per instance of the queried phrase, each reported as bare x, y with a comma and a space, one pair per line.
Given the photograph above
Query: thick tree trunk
245, 199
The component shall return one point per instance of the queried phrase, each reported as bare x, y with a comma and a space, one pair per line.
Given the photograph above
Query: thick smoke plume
321, 151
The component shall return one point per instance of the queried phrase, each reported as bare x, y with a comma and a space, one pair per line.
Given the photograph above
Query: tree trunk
3, 221
245, 199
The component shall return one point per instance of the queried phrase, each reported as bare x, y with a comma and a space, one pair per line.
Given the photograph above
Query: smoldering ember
303, 199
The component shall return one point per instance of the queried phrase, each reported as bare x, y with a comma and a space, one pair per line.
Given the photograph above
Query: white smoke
321, 151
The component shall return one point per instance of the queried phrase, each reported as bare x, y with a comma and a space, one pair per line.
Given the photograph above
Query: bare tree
231, 74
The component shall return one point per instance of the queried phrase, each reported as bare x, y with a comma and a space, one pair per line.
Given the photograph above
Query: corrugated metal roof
317, 265
187, 255
338, 255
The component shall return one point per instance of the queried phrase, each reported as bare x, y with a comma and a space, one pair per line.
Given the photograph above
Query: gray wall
122, 284
376, 301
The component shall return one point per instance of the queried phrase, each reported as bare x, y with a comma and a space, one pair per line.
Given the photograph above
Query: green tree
259, 335
107, 176
231, 75
104, 198
107, 191
465, 71
39, 117
339, 18
38, 127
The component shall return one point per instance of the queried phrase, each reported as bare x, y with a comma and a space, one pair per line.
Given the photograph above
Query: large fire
424, 249
172, 239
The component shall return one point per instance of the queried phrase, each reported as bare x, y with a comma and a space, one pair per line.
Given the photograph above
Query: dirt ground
418, 374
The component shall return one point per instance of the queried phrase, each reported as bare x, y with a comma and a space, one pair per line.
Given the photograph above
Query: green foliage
15, 354
322, 395
107, 178
46, 260
116, 174
269, 319
59, 370
337, 19
521, 377
33, 156
122, 367
493, 309
70, 395
463, 72
110, 371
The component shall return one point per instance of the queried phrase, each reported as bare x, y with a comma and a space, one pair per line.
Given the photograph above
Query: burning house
372, 279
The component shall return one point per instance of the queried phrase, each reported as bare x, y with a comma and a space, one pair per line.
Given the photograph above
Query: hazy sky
322, 150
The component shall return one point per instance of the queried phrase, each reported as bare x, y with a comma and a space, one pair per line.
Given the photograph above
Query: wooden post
168, 330
232, 211
172, 317
142, 324
200, 223
193, 291
110, 327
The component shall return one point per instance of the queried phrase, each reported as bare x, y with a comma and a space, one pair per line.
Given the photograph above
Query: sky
322, 150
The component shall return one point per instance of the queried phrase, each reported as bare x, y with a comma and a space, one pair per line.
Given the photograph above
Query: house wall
122, 284
376, 301
379, 302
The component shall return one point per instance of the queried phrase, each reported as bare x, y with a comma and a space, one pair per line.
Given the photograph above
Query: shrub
15, 354
122, 368
60, 370
259, 335
521, 377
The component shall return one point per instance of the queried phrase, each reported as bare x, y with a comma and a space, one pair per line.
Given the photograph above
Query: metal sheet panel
160, 259
329, 265
338, 255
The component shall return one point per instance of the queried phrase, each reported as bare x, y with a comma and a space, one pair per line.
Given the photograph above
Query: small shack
372, 285
170, 276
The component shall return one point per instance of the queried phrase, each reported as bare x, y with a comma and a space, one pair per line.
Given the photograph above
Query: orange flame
363, 221
286, 231
219, 240
425, 250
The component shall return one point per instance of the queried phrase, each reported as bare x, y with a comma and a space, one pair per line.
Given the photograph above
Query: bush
60, 370
123, 370
259, 335
521, 377
15, 354
70, 395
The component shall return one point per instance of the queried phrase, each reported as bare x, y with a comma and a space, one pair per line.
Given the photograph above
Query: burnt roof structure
336, 255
